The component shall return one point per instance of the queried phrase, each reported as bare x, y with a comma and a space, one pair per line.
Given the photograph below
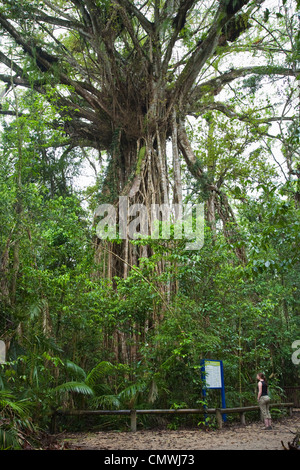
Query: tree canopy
123, 76
125, 66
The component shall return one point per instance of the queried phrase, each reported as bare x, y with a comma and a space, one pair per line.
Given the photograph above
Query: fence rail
133, 413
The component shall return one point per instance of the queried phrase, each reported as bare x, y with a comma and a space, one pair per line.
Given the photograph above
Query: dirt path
232, 437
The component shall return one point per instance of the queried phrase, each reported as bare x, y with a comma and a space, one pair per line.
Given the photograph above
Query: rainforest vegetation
162, 102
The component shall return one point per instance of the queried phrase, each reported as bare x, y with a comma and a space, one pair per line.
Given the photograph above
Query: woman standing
264, 400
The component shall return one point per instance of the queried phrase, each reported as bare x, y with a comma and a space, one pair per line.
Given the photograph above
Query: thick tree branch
12, 113
225, 12
231, 113
215, 85
57, 21
10, 64
131, 8
37, 85
45, 62
43, 59
178, 24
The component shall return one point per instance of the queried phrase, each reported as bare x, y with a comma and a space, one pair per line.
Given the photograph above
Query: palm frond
101, 369
75, 369
102, 389
74, 387
130, 393
5, 395
16, 407
9, 439
20, 408
106, 402
14, 419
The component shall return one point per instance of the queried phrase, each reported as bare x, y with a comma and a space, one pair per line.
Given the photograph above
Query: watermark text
160, 221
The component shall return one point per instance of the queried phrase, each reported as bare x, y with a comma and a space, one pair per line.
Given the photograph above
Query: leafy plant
16, 427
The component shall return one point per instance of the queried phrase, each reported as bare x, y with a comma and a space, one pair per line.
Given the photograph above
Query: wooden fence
218, 412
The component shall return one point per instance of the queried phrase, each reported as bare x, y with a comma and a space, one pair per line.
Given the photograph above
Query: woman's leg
268, 415
264, 408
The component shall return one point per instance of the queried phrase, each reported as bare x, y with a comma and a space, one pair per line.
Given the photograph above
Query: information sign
213, 375
213, 378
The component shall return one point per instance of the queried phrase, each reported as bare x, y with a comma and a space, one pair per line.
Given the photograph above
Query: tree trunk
145, 184
138, 174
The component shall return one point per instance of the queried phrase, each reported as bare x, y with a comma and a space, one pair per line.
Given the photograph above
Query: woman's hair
262, 376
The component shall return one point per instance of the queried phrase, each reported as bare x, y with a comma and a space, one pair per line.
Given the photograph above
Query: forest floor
230, 437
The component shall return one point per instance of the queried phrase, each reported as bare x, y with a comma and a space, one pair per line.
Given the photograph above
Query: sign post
213, 377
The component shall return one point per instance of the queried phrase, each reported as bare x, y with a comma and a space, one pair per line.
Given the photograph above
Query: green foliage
15, 423
80, 339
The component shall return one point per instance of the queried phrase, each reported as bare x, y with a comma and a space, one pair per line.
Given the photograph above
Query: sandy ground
230, 437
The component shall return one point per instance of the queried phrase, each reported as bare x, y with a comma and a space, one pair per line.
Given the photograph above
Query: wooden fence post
219, 418
243, 418
133, 420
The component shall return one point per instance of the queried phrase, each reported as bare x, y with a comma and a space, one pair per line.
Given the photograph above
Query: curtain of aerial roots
149, 186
